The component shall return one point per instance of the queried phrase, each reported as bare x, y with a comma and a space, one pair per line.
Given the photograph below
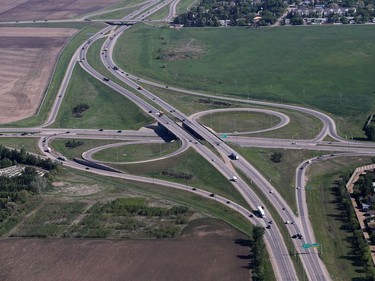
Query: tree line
10, 157
235, 12
17, 192
359, 242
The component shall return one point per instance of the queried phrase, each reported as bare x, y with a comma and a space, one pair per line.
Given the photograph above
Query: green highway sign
224, 136
307, 246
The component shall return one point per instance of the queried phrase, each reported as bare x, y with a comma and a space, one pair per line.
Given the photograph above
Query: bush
276, 157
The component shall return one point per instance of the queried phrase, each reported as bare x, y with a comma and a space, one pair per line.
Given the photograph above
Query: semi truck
261, 211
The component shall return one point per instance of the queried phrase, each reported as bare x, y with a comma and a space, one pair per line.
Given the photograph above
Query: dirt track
27, 56
204, 252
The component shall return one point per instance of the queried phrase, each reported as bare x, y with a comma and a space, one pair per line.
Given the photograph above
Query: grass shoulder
137, 152
187, 168
107, 108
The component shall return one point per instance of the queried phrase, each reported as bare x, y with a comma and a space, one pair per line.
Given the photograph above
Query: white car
287, 222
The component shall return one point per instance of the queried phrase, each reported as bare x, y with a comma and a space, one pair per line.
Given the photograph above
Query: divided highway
181, 126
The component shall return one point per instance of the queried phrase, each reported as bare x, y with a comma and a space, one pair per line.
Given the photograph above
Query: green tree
370, 132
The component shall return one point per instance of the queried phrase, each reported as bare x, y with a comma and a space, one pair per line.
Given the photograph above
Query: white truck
261, 211
234, 178
48, 149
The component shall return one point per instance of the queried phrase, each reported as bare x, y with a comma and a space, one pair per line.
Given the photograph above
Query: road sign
224, 136
307, 246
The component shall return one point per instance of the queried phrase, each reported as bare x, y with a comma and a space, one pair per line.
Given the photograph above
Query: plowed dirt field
27, 56
207, 250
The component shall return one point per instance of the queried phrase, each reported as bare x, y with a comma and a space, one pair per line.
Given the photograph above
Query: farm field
190, 257
25, 81
328, 68
11, 10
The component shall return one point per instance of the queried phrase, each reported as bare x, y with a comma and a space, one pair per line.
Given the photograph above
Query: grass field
59, 145
136, 152
187, 168
30, 144
57, 77
131, 218
50, 220
239, 121
108, 109
328, 68
329, 221
105, 187
281, 175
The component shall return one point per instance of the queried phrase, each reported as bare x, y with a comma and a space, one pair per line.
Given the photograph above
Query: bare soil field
207, 250
12, 10
28, 56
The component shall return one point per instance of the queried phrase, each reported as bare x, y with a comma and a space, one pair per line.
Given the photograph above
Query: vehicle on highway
105, 79
48, 149
234, 156
100, 130
234, 178
115, 68
287, 222
271, 191
62, 158
268, 226
212, 195
119, 131
261, 211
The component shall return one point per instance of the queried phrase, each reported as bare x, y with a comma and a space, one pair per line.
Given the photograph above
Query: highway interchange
178, 122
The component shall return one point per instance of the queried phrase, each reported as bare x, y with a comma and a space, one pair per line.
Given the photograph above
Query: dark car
212, 195
100, 130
